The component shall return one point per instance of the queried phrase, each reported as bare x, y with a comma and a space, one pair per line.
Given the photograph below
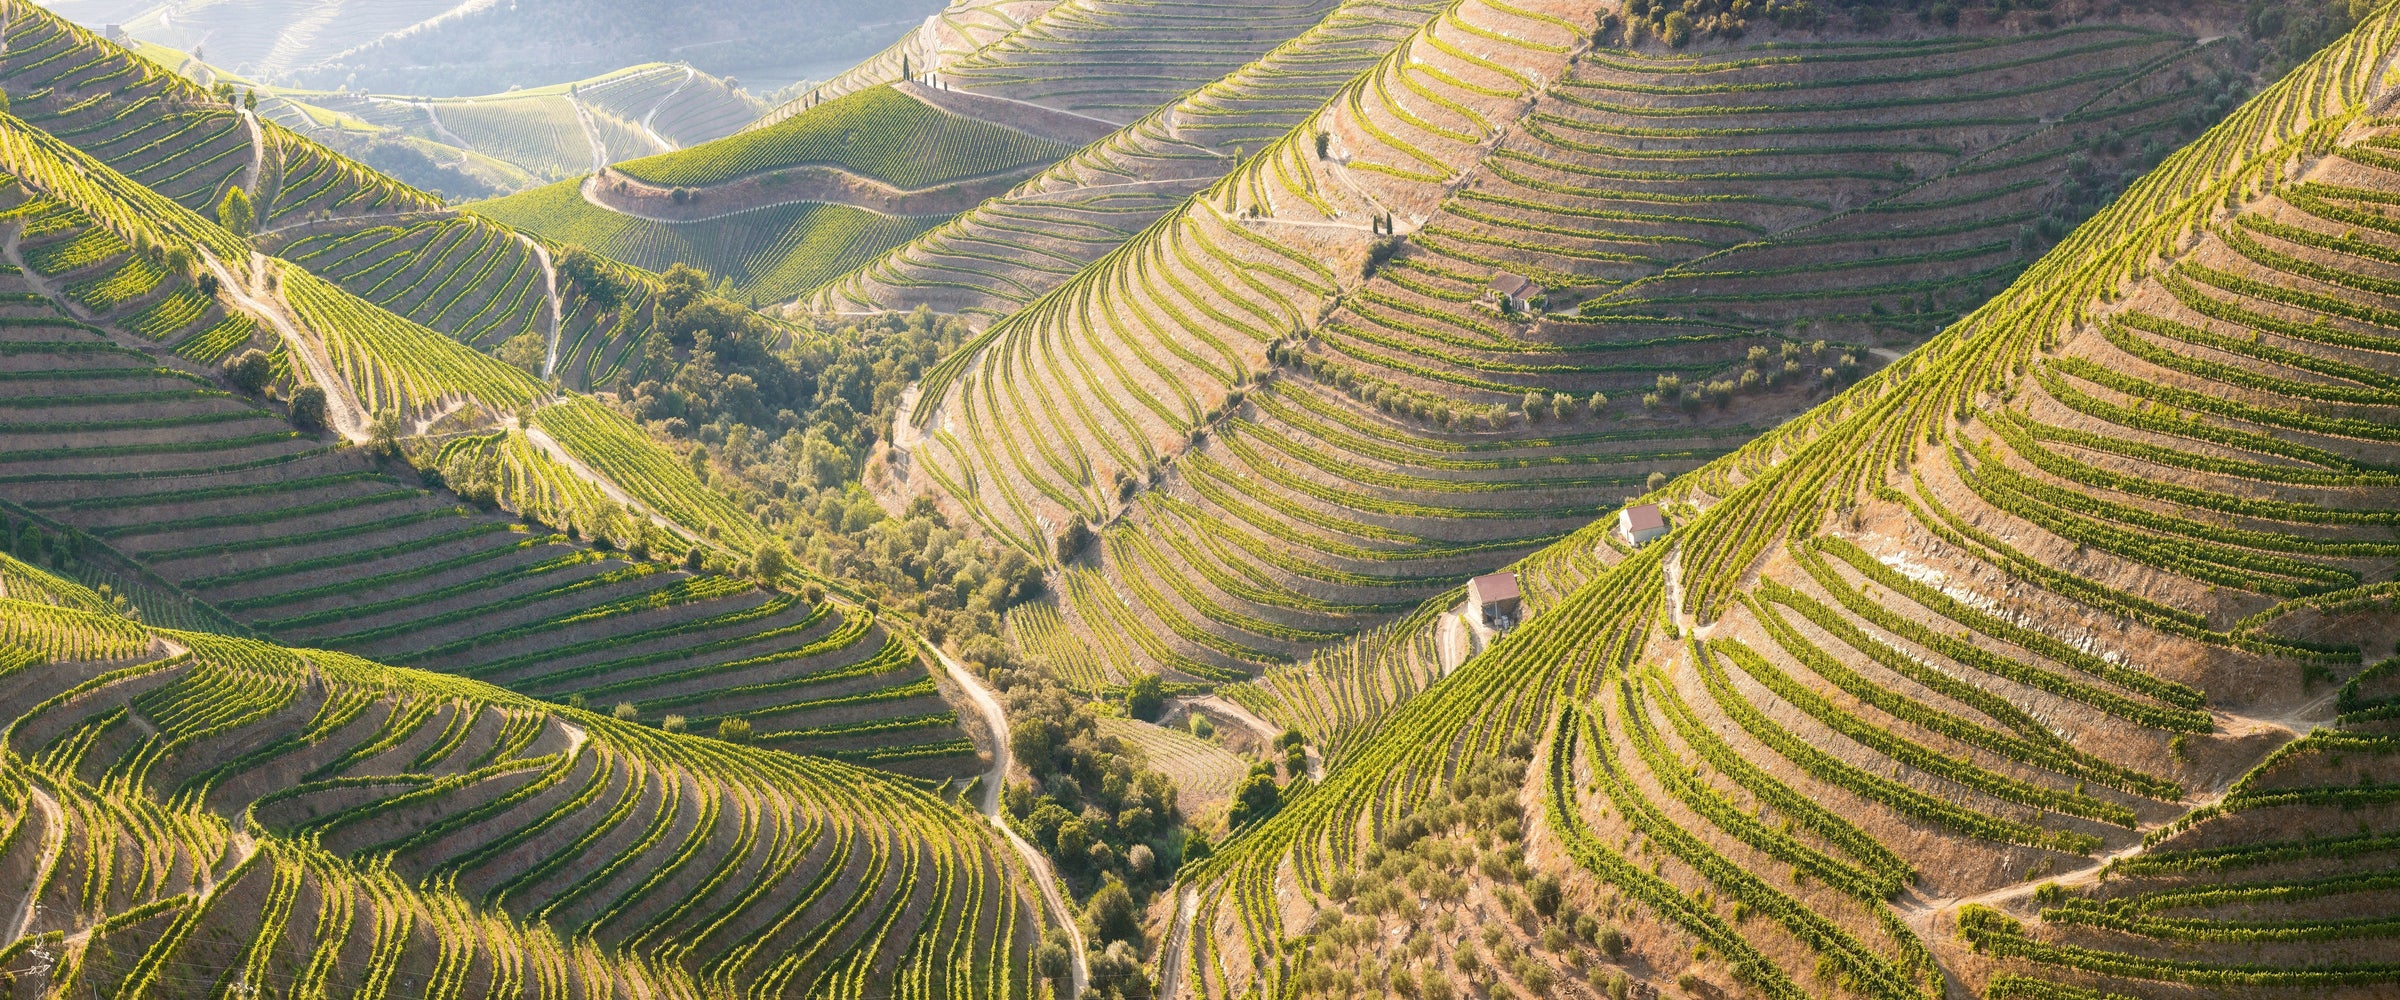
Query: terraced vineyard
880, 133
1118, 60
676, 103
956, 31
2024, 629
168, 134
186, 807
1006, 253
1314, 469
316, 545
2067, 584
770, 254
533, 135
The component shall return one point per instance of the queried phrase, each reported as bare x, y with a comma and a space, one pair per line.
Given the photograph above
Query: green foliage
1093, 798
1145, 696
877, 132
235, 213
308, 408
250, 371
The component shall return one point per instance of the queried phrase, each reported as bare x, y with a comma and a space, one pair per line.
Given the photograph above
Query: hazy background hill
446, 48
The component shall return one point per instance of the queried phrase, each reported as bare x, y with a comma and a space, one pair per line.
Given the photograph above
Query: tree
1117, 972
1546, 894
383, 436
1074, 841
736, 730
1074, 540
528, 350
586, 270
250, 371
235, 213
625, 712
1144, 697
772, 560
1054, 959
1255, 798
674, 724
308, 408
1677, 29
1324, 143
250, 100
1114, 915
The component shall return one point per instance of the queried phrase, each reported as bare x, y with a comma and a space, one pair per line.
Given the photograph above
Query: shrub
674, 724
734, 730
1201, 727
625, 712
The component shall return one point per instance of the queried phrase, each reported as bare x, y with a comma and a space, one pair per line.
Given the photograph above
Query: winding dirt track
989, 705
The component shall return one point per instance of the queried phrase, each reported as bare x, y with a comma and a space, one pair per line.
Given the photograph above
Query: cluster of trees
723, 366
253, 372
783, 417
2288, 31
1108, 822
1763, 369
33, 544
1678, 22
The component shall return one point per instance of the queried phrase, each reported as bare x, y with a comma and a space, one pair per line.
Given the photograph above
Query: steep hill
778, 211
309, 542
445, 48
1008, 252
1989, 676
1282, 453
478, 147
188, 812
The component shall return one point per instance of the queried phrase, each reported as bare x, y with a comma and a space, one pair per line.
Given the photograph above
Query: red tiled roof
1644, 518
1493, 587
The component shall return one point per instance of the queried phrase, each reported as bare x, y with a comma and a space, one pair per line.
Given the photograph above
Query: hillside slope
446, 48
1280, 452
1989, 676
307, 541
779, 211
1010, 251
186, 809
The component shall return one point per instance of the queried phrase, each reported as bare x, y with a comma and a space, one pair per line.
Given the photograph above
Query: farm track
995, 718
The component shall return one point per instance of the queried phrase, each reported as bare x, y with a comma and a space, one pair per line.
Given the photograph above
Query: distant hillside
881, 133
779, 211
448, 49
469, 148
